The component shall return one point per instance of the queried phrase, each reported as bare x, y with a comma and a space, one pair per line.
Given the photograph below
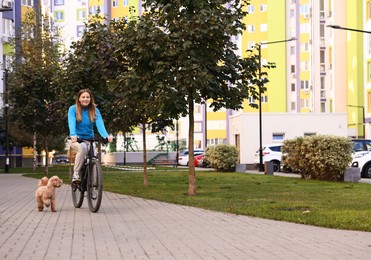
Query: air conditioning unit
306, 16
7, 3
293, 75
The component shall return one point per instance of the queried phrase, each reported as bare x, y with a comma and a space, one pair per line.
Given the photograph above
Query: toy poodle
45, 195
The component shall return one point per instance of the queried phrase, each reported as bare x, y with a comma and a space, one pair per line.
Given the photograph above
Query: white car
183, 157
363, 162
271, 153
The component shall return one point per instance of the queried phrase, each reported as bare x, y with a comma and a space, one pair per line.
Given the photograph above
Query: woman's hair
91, 106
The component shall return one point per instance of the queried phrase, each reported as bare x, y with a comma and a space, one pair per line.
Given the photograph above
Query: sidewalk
131, 228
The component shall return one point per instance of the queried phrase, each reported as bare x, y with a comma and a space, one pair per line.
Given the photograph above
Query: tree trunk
145, 175
46, 170
34, 152
191, 162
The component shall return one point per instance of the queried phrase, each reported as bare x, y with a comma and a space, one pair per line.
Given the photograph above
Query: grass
338, 205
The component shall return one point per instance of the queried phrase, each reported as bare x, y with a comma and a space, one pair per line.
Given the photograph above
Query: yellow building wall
354, 65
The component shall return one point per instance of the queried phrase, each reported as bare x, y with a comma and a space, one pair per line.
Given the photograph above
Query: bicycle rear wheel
95, 186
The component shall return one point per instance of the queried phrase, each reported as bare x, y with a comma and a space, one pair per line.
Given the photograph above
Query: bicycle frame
90, 178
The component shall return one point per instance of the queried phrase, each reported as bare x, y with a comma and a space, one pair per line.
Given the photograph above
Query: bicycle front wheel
77, 194
95, 186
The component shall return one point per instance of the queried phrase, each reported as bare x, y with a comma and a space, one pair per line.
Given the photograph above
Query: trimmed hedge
222, 157
319, 157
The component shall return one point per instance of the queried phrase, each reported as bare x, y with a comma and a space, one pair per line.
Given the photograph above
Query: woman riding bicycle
81, 120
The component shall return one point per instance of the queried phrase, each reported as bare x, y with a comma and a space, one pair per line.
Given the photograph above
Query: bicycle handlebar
94, 139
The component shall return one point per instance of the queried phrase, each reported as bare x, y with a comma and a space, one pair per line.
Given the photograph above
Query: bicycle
91, 178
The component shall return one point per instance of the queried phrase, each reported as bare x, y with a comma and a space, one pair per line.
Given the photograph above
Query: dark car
61, 159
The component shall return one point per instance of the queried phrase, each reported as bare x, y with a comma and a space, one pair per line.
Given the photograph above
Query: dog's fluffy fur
43, 181
45, 195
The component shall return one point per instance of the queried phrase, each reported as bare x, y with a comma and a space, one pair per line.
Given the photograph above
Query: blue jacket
85, 128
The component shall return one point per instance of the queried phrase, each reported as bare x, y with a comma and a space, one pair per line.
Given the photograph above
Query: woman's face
84, 99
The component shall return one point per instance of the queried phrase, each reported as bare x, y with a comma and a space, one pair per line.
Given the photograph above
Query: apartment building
324, 70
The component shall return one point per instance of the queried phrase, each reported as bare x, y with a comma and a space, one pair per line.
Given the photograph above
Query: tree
201, 55
33, 89
143, 91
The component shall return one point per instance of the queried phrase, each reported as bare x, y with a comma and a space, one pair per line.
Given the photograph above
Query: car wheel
366, 173
276, 166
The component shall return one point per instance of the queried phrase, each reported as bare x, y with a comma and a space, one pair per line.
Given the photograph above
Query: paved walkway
132, 228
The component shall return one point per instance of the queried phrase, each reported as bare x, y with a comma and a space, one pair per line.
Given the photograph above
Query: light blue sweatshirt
85, 128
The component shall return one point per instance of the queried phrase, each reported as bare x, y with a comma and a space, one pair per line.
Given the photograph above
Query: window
250, 28
81, 14
58, 2
277, 137
264, 99
309, 134
264, 28
292, 86
250, 9
27, 2
292, 50
59, 16
126, 2
292, 68
323, 107
369, 9
197, 109
293, 106
263, 8
7, 27
80, 30
198, 127
369, 71
304, 103
304, 84
250, 45
115, 3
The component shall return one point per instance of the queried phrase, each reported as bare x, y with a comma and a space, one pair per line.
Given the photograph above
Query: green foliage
222, 157
33, 89
320, 157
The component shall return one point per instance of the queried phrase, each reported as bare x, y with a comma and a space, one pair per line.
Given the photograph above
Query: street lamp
347, 29
361, 31
363, 119
261, 166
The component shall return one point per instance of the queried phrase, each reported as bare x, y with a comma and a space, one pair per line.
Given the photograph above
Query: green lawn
327, 204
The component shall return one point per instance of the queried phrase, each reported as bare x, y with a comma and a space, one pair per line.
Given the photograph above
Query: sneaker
76, 178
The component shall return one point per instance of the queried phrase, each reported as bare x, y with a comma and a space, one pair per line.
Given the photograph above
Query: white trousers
81, 152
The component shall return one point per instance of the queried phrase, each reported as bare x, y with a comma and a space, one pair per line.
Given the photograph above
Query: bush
320, 157
222, 157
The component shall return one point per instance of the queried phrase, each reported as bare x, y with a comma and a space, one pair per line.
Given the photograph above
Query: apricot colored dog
45, 195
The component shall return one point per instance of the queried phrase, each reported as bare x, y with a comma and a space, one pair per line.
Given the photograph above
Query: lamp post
6, 8
261, 166
7, 160
347, 29
363, 119
361, 31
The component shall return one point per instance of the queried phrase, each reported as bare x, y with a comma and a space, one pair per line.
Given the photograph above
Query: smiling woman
81, 120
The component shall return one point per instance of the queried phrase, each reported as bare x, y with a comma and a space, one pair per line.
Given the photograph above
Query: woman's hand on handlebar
110, 138
73, 139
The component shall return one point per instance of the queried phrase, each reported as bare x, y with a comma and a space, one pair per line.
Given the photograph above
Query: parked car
361, 147
183, 157
271, 153
198, 160
364, 165
61, 159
